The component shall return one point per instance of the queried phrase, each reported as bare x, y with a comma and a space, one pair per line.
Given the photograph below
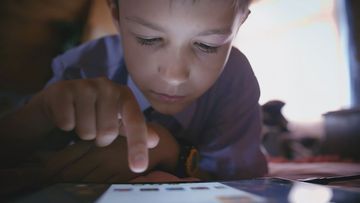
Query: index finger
135, 130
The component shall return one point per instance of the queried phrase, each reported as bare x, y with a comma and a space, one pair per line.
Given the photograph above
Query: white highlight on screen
309, 193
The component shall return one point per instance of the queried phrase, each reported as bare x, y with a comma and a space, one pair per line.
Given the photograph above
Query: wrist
188, 159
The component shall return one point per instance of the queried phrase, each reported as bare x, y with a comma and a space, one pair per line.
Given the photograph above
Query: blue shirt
224, 123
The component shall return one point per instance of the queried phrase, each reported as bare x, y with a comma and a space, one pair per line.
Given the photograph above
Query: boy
174, 56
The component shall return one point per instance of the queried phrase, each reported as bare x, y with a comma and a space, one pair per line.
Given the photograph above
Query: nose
174, 69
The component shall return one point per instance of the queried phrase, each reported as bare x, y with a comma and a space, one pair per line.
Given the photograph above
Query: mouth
167, 97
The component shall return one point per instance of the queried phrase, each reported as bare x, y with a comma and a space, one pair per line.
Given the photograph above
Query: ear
242, 19
244, 16
114, 10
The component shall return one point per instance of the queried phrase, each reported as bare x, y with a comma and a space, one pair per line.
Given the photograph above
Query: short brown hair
241, 5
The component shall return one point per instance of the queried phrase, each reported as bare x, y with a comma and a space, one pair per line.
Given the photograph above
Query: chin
168, 109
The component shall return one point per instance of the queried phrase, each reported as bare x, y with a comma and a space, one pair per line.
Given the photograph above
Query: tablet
238, 191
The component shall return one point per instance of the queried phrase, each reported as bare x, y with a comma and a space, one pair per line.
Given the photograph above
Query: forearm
21, 132
84, 161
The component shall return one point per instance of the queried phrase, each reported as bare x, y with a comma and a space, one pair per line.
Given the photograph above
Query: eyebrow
223, 31
145, 23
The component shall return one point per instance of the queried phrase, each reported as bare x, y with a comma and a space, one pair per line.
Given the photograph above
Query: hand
83, 161
92, 108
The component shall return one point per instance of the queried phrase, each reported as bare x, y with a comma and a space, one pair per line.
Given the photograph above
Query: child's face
175, 50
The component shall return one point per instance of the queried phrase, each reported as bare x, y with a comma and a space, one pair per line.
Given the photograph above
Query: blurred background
296, 50
305, 55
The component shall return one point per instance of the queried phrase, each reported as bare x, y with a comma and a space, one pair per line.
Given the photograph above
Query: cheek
139, 63
132, 54
208, 71
203, 79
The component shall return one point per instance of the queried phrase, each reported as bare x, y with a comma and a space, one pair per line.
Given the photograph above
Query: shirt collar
140, 98
184, 117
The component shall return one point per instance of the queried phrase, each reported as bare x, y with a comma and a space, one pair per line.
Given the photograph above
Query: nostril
174, 75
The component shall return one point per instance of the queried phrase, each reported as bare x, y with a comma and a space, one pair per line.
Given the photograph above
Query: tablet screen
209, 192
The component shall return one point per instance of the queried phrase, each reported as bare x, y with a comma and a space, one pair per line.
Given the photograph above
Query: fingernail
139, 163
105, 140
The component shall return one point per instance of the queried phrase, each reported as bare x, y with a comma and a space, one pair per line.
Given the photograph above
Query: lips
167, 97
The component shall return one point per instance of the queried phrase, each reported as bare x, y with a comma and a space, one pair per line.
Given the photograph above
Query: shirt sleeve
97, 58
67, 67
57, 68
230, 143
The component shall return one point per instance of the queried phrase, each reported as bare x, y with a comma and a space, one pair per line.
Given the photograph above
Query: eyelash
148, 42
152, 41
206, 48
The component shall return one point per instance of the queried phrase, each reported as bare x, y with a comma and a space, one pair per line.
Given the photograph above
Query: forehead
192, 11
230, 3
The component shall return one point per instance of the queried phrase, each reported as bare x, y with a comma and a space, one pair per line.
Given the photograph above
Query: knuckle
107, 91
126, 91
55, 90
102, 79
86, 89
106, 87
61, 117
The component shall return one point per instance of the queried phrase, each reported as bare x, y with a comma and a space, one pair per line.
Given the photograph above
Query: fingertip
85, 134
105, 140
153, 140
139, 163
138, 169
66, 126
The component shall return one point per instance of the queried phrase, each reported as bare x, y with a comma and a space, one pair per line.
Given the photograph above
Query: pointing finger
152, 138
135, 131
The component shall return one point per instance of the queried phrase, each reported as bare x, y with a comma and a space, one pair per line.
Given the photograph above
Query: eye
206, 48
148, 42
